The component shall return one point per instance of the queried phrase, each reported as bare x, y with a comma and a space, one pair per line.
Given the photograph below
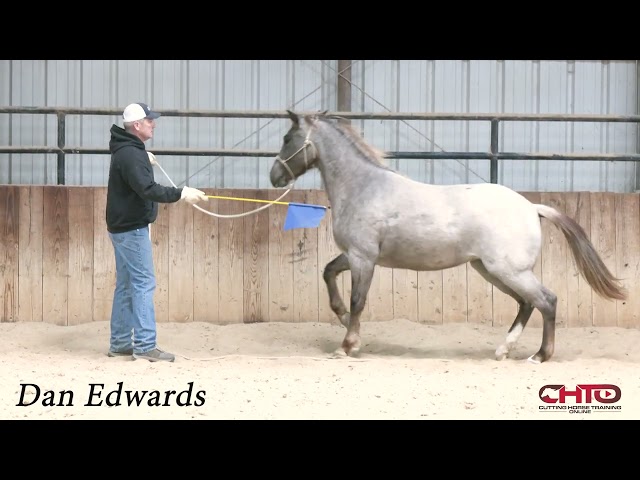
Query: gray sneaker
155, 355
124, 353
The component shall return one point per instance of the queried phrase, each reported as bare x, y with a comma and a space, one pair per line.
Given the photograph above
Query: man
132, 205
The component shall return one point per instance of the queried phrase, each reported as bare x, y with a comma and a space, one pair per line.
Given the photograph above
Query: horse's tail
587, 259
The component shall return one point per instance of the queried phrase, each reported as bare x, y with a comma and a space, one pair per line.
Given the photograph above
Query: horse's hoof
534, 360
354, 352
351, 347
501, 352
338, 353
347, 349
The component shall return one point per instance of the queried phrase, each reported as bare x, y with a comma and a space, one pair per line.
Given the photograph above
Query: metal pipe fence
492, 154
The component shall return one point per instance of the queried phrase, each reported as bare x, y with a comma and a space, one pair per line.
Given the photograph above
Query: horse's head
297, 154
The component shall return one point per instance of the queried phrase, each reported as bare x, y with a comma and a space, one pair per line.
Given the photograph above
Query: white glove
193, 195
152, 158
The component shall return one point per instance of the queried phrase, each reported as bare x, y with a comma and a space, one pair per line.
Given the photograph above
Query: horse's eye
286, 139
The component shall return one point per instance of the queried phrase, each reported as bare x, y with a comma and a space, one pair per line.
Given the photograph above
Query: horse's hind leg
513, 334
546, 303
525, 310
528, 287
331, 271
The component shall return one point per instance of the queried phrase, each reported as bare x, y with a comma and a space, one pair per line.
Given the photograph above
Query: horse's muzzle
278, 175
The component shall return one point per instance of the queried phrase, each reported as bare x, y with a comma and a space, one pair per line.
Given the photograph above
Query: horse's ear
294, 118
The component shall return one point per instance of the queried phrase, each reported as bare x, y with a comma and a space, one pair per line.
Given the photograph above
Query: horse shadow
389, 350
381, 349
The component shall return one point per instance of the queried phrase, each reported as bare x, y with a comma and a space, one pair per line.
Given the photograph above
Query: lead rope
333, 356
304, 146
220, 215
306, 143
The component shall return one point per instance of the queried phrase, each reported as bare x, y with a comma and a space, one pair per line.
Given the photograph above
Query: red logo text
583, 393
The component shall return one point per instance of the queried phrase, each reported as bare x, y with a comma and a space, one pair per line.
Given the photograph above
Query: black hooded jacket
132, 193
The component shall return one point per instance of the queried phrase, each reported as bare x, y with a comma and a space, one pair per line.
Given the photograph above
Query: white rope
304, 146
237, 215
224, 357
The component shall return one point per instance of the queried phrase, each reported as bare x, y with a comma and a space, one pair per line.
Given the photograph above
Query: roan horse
381, 217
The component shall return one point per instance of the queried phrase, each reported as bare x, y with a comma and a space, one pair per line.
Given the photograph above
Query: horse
381, 217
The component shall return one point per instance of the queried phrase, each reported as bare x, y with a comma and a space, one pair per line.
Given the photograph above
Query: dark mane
355, 138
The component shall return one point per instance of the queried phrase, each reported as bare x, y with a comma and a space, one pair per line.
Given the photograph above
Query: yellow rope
256, 200
248, 200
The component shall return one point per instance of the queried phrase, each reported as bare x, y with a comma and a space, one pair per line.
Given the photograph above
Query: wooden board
160, 245
181, 261
9, 254
281, 256
80, 282
256, 259
579, 293
231, 255
305, 267
206, 261
31, 214
104, 262
603, 226
55, 254
627, 263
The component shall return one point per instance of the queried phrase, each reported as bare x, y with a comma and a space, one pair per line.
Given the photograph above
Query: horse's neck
343, 170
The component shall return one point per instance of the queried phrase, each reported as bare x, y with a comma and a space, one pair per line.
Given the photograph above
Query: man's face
145, 128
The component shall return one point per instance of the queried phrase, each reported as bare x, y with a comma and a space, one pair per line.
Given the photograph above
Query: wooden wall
57, 264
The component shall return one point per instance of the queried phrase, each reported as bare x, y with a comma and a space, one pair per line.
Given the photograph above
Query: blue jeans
133, 318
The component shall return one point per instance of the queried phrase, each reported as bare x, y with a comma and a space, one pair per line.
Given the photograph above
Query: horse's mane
354, 136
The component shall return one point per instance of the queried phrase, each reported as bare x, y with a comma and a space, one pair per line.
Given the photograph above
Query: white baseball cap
138, 111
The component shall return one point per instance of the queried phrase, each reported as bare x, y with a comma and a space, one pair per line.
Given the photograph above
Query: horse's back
446, 225
487, 203
482, 201
491, 205
487, 193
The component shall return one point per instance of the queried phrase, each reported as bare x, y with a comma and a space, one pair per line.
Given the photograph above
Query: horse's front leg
361, 276
331, 271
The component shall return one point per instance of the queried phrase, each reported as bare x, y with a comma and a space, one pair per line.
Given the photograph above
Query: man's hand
193, 195
152, 158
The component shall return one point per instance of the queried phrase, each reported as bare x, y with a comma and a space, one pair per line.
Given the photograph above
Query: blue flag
302, 215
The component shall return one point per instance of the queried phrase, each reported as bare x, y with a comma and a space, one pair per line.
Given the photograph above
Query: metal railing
493, 155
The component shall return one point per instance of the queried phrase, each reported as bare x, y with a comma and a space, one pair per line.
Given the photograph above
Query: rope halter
304, 146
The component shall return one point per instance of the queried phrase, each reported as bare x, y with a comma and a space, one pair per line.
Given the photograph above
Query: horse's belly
419, 257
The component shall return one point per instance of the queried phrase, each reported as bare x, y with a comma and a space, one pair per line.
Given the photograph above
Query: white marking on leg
501, 352
356, 344
512, 337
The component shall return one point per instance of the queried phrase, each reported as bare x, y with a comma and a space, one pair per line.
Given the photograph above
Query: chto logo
583, 393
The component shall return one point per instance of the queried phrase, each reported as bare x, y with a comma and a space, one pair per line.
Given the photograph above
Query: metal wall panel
6, 164
570, 87
233, 85
27, 81
426, 86
602, 87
